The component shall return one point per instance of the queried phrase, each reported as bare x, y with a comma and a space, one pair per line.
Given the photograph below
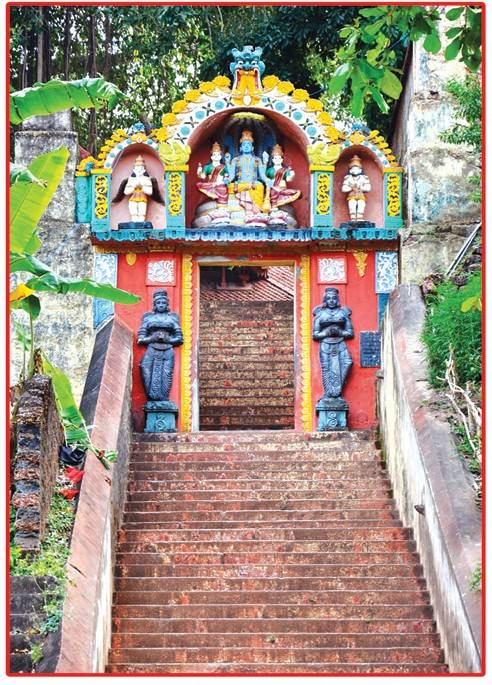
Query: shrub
446, 324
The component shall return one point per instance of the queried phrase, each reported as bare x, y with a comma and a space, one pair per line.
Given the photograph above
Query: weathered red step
273, 668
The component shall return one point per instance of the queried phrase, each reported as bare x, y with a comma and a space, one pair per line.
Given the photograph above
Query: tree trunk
23, 70
67, 43
108, 37
39, 70
92, 71
46, 44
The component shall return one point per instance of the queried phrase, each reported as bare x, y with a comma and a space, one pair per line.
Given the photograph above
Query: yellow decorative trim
393, 195
186, 326
393, 169
321, 167
178, 167
174, 154
101, 196
323, 154
361, 262
323, 194
131, 258
82, 166
101, 171
306, 397
357, 138
174, 187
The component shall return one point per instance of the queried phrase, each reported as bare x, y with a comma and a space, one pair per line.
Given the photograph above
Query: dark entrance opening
246, 348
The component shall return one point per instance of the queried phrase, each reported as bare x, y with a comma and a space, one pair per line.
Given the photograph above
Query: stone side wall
39, 436
87, 607
439, 213
425, 469
64, 330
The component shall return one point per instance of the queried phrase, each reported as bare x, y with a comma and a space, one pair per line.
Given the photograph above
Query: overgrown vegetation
467, 130
447, 324
476, 579
50, 560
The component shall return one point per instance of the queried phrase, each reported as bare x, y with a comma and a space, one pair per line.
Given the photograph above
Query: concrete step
254, 460
151, 555
278, 505
281, 528
256, 547
340, 571
238, 668
278, 495
260, 485
274, 626
303, 582
266, 640
273, 654
282, 534
237, 518
416, 611
290, 471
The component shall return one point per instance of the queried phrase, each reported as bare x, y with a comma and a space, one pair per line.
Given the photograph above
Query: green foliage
446, 324
19, 174
29, 201
52, 556
368, 67
476, 579
36, 653
468, 95
55, 96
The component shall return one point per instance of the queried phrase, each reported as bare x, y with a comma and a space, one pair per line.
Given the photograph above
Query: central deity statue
247, 173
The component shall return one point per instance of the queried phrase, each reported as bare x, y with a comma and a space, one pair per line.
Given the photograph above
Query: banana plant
31, 191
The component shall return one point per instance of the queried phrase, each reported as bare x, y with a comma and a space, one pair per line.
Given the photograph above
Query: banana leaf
55, 96
72, 419
50, 282
29, 304
29, 201
20, 174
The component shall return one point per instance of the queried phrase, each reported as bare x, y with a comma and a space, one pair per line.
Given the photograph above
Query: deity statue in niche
214, 184
247, 174
277, 194
138, 188
160, 331
332, 327
356, 184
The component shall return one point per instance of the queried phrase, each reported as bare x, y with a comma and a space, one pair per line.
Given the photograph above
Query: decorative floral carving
323, 194
101, 196
393, 205
174, 154
323, 154
306, 397
187, 328
332, 270
386, 271
161, 272
174, 185
361, 262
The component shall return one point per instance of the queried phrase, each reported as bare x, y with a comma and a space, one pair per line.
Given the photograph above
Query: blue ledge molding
251, 234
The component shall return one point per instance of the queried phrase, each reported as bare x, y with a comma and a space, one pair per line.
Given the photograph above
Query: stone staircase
267, 552
246, 365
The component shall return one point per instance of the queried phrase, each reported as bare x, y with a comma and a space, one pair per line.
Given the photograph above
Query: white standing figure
139, 187
356, 184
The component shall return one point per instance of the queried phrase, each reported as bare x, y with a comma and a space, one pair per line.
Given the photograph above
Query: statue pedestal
160, 416
135, 225
332, 413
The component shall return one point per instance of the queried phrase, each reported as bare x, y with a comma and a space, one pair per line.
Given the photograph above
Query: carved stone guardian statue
356, 184
332, 327
160, 330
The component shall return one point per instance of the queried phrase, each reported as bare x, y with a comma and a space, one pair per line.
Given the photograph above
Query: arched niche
122, 168
375, 201
289, 135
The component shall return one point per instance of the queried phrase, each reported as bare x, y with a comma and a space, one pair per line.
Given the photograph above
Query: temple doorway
246, 348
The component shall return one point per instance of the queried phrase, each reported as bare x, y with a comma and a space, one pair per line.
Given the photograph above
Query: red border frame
150, 3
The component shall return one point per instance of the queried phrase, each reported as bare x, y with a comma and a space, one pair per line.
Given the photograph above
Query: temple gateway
262, 239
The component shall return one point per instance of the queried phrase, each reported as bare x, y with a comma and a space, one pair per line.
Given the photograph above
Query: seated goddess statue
278, 194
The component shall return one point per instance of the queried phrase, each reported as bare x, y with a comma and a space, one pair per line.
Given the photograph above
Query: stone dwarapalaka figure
356, 184
138, 187
332, 326
215, 182
277, 193
247, 173
160, 331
